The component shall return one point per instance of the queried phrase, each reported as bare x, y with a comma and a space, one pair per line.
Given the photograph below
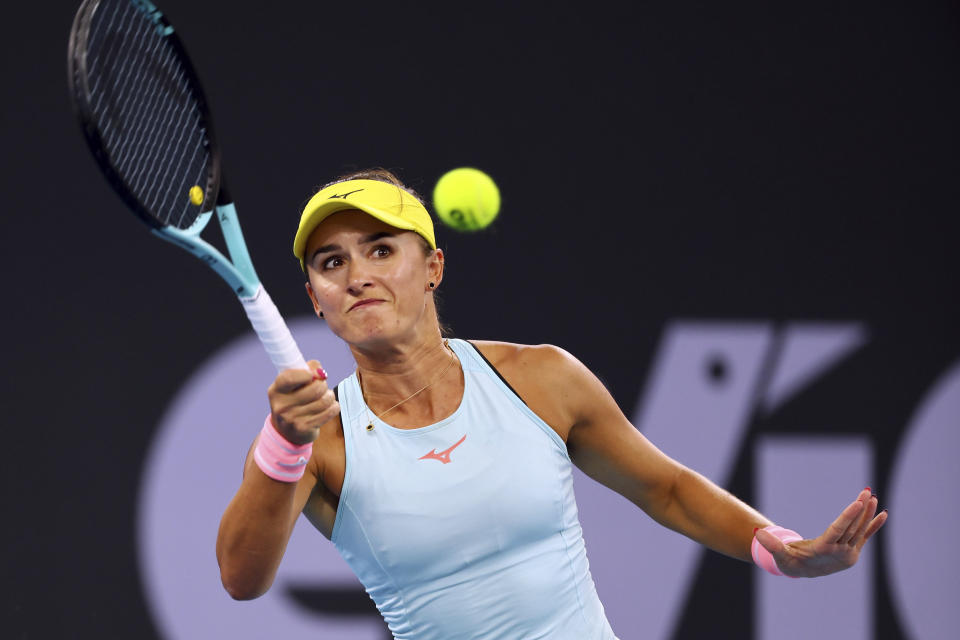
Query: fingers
857, 525
320, 410
869, 510
310, 392
290, 380
301, 423
317, 370
300, 402
308, 403
840, 528
861, 525
873, 527
297, 383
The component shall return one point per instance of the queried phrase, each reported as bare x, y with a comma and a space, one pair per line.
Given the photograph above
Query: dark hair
374, 173
385, 175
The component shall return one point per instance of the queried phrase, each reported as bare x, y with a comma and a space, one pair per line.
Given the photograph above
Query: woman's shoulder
546, 378
524, 359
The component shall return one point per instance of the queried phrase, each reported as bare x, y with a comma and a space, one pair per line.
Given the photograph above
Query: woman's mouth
365, 303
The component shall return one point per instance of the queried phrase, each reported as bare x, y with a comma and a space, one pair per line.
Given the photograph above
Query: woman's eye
332, 262
381, 251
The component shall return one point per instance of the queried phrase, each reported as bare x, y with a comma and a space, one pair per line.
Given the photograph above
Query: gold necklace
446, 343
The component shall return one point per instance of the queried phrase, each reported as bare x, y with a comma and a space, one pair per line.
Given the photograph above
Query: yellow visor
382, 200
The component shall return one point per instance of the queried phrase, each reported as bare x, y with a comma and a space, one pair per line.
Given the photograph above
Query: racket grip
273, 331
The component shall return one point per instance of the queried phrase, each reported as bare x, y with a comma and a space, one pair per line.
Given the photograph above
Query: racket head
143, 111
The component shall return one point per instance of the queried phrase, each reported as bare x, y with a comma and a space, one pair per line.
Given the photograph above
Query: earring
432, 285
320, 314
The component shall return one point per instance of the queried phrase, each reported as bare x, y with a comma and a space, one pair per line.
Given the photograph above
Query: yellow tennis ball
466, 199
196, 195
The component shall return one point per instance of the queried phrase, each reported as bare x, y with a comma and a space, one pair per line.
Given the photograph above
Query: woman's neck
394, 375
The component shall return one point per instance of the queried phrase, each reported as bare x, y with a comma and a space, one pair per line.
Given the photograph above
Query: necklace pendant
370, 426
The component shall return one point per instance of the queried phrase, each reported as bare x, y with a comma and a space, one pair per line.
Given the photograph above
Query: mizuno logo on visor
344, 196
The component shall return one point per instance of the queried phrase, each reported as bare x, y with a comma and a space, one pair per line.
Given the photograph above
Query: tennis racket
146, 120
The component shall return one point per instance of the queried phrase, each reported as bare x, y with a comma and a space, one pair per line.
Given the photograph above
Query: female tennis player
441, 469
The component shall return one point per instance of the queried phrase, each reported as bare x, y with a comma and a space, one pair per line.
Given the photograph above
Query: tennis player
441, 469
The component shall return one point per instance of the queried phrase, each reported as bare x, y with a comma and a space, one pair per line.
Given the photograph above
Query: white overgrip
273, 331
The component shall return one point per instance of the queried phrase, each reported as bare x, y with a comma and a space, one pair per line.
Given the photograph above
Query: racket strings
144, 157
146, 110
141, 156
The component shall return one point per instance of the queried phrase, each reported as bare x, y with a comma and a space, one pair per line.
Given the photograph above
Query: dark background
697, 160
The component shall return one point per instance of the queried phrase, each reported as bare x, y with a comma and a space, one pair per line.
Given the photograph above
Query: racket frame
238, 272
77, 83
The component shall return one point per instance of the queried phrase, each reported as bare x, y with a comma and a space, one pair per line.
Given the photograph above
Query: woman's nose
357, 277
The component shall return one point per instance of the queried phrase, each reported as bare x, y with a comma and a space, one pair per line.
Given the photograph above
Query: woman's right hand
300, 402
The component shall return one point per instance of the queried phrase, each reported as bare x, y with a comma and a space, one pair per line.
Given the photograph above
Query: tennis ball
196, 195
466, 199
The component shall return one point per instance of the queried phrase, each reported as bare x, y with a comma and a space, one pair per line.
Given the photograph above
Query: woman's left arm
608, 448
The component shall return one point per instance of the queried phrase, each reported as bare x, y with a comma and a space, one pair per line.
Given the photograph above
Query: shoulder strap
495, 370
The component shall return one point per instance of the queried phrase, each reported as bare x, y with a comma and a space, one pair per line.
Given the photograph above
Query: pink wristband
278, 457
762, 557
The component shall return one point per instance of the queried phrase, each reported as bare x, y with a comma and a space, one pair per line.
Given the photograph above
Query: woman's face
370, 280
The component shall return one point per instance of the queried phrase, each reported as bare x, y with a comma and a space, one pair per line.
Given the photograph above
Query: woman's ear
435, 263
313, 299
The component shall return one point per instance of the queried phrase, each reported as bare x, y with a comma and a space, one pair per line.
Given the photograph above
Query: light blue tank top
466, 528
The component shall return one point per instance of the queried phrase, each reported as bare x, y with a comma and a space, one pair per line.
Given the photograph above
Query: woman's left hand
837, 549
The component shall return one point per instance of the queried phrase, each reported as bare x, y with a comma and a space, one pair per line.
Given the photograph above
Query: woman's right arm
258, 521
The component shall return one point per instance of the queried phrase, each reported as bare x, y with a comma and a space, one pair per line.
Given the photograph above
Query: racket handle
273, 331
